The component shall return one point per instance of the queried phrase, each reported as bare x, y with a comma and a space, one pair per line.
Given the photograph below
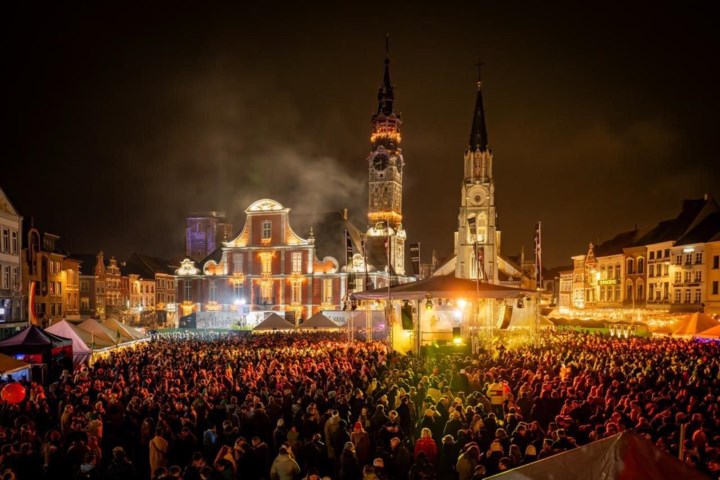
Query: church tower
385, 245
476, 241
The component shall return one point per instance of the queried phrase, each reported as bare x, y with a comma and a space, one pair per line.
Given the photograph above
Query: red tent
36, 346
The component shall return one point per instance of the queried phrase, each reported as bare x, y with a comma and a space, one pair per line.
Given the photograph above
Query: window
237, 291
14, 243
640, 295
15, 278
641, 266
652, 256
688, 259
716, 262
698, 276
678, 260
296, 262
715, 287
360, 284
678, 277
266, 291
5, 240
687, 296
213, 291
266, 230
327, 296
58, 288
687, 277
5, 277
629, 292
678, 296
630, 266
266, 263
651, 270
698, 296
237, 263
296, 293
188, 291
698, 257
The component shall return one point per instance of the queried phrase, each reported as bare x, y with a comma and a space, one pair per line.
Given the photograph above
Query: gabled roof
692, 213
319, 321
215, 256
147, 266
32, 340
708, 230
6, 206
616, 244
274, 322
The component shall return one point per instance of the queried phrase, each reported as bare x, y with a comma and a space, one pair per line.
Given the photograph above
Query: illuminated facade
476, 238
385, 237
11, 279
204, 232
266, 267
664, 268
151, 288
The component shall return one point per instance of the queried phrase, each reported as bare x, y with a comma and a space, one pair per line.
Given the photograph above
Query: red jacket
427, 445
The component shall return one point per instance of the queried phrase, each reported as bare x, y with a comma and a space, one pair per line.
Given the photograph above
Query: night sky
121, 120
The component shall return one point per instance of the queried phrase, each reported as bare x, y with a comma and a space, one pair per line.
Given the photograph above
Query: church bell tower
476, 241
385, 243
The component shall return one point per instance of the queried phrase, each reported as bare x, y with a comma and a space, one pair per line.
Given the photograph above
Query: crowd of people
314, 406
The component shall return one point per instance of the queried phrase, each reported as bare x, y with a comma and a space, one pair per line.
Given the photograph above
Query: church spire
386, 97
478, 132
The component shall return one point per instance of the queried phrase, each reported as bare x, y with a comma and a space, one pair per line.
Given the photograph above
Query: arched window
629, 291
630, 266
640, 291
641, 265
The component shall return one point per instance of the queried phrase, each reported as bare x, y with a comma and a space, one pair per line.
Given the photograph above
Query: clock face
478, 196
380, 162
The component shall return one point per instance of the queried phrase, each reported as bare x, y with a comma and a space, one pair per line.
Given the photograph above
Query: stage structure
446, 310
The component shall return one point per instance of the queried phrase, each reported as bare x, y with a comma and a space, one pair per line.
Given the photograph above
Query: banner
538, 256
415, 257
480, 255
31, 304
472, 225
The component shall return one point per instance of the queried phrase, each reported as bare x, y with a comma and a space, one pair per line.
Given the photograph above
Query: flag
480, 255
472, 225
538, 256
348, 249
415, 257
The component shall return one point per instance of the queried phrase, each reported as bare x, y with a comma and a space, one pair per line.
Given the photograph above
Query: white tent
126, 333
274, 322
319, 321
693, 324
80, 347
101, 333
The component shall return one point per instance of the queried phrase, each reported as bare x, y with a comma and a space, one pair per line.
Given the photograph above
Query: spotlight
428, 304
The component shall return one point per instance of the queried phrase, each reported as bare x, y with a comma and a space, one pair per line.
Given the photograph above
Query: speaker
506, 317
406, 316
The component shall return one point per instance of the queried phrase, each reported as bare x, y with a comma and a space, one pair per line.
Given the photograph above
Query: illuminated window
266, 293
327, 291
14, 243
296, 292
296, 262
687, 277
698, 296
641, 265
266, 230
698, 257
678, 295
188, 291
237, 263
687, 296
266, 263
630, 266
678, 277
238, 290
213, 291
698, 276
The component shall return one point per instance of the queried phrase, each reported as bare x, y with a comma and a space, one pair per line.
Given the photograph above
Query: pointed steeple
478, 132
386, 97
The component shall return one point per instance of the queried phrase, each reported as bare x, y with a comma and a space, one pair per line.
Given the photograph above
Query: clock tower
385, 245
476, 238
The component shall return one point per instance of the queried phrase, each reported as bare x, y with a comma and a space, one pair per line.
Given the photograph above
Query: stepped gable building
266, 267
